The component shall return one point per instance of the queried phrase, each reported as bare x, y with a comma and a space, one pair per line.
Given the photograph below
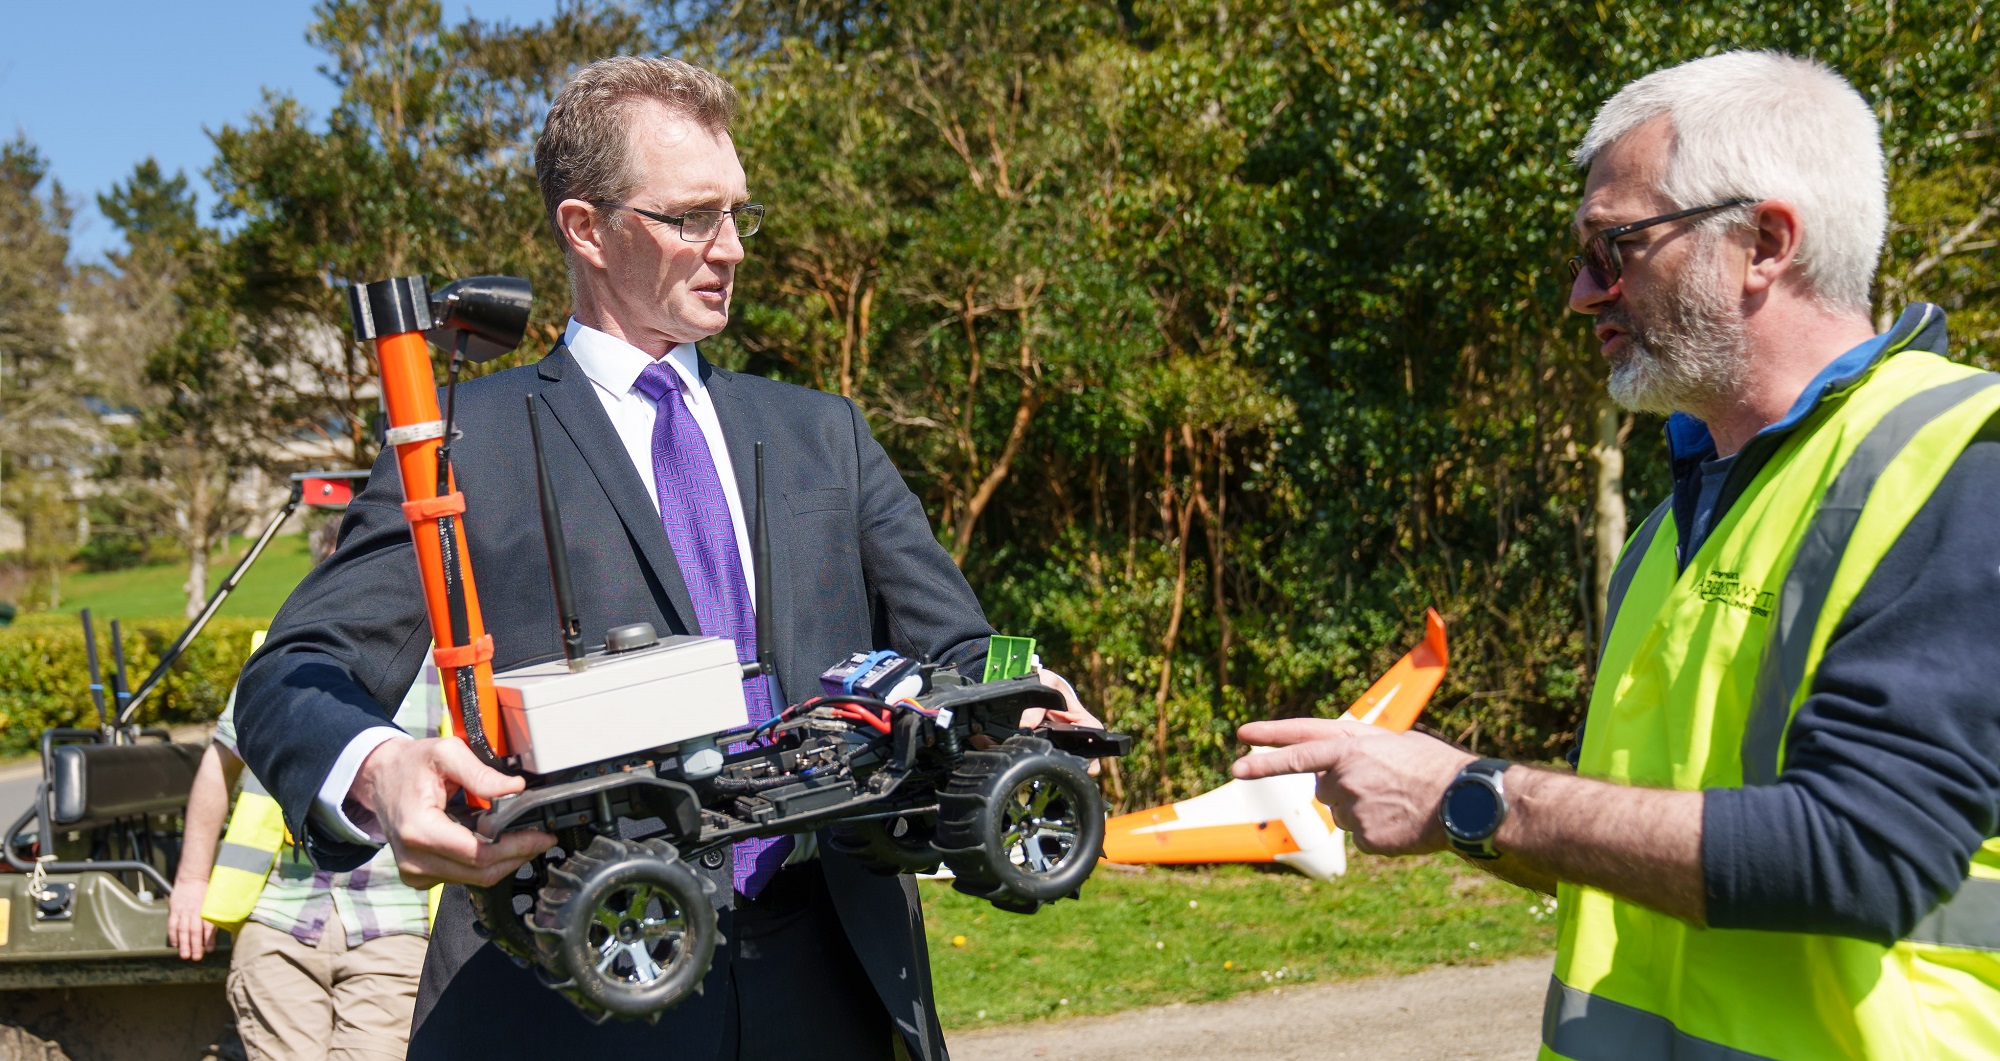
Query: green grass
1192, 935
155, 589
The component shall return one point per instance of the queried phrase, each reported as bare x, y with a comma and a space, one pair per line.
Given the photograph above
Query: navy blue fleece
1892, 764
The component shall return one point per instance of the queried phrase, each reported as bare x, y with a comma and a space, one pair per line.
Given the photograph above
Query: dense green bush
44, 680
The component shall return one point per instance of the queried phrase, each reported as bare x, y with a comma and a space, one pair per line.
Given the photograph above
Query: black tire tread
963, 807
546, 920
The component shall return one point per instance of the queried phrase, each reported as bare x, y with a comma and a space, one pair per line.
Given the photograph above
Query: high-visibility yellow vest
1701, 674
243, 862
250, 849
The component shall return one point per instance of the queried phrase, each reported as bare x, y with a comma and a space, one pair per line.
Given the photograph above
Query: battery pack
883, 675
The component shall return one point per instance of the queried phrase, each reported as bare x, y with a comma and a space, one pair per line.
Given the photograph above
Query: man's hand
405, 784
186, 931
1074, 713
1382, 787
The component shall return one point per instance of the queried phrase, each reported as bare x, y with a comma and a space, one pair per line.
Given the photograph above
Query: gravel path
1453, 1013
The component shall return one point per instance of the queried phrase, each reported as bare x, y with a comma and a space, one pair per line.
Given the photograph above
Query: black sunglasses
1600, 253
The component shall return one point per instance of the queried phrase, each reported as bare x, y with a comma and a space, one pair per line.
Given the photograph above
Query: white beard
1689, 353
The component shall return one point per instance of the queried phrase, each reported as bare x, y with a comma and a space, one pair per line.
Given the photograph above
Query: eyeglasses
1600, 253
700, 226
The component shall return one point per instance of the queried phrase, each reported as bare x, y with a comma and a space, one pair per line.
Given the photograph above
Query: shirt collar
1688, 440
614, 364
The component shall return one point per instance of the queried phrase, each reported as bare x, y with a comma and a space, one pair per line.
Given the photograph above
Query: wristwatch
1474, 805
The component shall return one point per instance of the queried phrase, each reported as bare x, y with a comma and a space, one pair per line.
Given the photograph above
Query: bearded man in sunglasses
1779, 838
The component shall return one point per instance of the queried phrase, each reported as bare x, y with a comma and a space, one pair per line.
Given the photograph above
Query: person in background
325, 965
1779, 839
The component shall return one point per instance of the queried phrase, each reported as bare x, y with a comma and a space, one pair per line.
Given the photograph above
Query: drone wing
1276, 819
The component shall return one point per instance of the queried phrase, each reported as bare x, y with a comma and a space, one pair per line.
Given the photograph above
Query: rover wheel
625, 928
502, 909
889, 846
1021, 824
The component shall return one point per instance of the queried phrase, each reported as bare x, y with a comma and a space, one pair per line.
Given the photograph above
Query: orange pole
409, 390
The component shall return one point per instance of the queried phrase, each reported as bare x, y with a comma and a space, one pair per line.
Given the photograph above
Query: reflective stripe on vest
1676, 707
1580, 1025
1782, 671
1970, 919
243, 862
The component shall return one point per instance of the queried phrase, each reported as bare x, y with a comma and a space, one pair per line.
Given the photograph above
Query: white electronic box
673, 690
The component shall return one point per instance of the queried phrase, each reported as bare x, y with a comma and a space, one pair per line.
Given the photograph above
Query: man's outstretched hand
1382, 787
405, 783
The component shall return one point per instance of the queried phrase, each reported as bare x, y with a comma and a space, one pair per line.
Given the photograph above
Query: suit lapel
572, 400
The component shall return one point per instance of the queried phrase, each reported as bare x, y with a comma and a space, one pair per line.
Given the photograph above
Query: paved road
1458, 1013
17, 789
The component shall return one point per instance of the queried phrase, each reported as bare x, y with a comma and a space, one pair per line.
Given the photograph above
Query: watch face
1471, 810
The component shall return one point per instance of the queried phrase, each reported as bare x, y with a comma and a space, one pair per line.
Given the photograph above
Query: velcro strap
470, 655
424, 508
418, 432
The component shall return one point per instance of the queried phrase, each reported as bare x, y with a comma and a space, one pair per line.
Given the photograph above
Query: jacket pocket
833, 499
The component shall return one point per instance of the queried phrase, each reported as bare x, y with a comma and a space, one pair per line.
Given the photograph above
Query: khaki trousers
295, 1002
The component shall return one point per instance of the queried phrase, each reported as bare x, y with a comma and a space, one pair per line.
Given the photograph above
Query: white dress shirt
613, 366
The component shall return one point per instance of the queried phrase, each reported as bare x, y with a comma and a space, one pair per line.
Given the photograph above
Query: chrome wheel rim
1038, 830
637, 934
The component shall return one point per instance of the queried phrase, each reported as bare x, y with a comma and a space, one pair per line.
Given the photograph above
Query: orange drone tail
1276, 819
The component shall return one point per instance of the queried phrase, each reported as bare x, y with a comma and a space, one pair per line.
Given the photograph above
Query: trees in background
172, 349
40, 443
1219, 340
425, 166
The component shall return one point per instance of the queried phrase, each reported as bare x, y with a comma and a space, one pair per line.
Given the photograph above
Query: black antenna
96, 677
450, 412
761, 547
566, 617
122, 692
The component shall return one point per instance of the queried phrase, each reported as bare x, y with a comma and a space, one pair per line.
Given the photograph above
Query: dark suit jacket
854, 566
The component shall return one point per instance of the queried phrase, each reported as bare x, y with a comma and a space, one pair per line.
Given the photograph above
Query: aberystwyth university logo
1726, 587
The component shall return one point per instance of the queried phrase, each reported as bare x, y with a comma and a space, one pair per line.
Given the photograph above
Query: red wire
855, 713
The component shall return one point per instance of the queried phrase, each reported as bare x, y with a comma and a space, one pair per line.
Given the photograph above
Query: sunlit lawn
1186, 935
155, 589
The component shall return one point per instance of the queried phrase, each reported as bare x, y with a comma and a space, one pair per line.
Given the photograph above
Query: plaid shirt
371, 901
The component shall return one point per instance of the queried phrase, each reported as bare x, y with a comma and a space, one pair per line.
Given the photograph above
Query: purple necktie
695, 512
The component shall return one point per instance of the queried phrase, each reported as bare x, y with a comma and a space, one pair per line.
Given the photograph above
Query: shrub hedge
44, 679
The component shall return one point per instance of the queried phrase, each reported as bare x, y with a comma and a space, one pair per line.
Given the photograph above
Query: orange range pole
409, 392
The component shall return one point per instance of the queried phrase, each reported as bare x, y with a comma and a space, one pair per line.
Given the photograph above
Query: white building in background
256, 492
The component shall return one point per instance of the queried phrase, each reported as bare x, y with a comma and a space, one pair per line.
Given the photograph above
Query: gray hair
582, 151
1764, 125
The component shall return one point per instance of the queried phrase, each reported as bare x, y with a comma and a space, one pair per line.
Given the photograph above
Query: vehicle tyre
889, 846
502, 909
625, 928
1021, 824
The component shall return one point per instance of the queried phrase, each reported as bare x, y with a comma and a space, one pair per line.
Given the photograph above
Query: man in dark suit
651, 452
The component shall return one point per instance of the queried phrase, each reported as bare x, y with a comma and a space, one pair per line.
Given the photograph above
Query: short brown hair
581, 153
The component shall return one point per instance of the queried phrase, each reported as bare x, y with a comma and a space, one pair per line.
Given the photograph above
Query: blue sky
100, 85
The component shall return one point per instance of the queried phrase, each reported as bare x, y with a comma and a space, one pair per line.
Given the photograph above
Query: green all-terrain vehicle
86, 972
